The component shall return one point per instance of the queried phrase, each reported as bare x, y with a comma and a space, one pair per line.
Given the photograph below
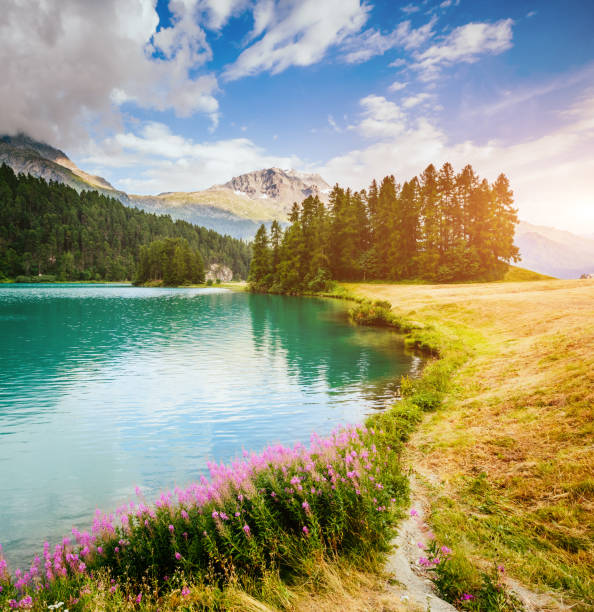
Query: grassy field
508, 461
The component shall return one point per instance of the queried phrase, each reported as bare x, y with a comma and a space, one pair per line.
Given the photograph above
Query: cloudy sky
177, 95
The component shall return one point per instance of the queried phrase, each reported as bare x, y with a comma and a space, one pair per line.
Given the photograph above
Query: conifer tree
260, 268
431, 215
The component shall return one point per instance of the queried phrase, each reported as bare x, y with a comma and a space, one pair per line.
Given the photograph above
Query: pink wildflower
413, 512
246, 529
305, 530
185, 591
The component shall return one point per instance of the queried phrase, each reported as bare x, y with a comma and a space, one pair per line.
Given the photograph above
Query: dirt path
413, 583
403, 561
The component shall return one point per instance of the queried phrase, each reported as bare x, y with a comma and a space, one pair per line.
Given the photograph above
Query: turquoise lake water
107, 387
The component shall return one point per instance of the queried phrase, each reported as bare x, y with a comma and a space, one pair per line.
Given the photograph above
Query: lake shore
506, 461
507, 398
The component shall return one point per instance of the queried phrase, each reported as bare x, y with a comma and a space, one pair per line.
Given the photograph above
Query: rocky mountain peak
282, 186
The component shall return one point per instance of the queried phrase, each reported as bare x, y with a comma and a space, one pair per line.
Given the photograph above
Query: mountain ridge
240, 205
236, 207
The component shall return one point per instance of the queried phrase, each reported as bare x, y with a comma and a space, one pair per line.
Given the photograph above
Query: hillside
503, 470
236, 208
51, 229
25, 155
554, 252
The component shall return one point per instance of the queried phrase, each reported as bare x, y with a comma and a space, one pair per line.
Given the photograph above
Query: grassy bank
507, 460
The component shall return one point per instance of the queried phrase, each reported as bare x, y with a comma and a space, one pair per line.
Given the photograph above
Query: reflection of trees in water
67, 330
316, 345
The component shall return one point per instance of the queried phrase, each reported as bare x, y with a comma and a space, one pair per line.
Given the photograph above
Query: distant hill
240, 205
236, 208
554, 252
23, 154
516, 274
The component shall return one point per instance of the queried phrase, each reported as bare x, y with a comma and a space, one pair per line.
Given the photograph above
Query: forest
49, 229
437, 227
170, 261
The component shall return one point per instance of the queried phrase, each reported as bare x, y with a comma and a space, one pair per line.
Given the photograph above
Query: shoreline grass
507, 462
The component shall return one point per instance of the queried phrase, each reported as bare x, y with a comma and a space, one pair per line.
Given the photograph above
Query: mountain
23, 154
236, 208
555, 252
240, 205
280, 186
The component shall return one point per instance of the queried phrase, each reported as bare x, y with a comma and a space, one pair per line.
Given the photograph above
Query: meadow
507, 460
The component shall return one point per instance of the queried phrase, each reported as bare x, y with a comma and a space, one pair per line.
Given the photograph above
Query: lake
107, 387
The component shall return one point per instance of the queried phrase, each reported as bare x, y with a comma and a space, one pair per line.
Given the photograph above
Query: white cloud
465, 44
410, 8
297, 33
333, 124
397, 86
218, 12
513, 99
74, 62
411, 101
398, 63
380, 118
447, 3
161, 160
372, 42
550, 175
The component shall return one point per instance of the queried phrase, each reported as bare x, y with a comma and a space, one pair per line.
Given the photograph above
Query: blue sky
184, 94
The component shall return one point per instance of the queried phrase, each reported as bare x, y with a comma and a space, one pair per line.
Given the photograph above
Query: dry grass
513, 450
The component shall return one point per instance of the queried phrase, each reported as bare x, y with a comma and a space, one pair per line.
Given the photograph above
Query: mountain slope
236, 208
240, 205
555, 252
23, 154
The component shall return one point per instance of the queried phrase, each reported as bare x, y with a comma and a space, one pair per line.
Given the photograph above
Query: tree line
50, 229
170, 261
437, 227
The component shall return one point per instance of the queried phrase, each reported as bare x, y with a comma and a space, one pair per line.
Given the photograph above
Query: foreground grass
508, 460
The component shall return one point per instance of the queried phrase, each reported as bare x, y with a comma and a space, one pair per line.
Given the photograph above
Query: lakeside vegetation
256, 525
51, 230
439, 227
505, 467
171, 262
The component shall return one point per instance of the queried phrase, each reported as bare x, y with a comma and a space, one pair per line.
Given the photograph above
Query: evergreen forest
170, 261
437, 227
49, 231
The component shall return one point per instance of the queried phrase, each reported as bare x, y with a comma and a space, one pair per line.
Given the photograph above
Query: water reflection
108, 387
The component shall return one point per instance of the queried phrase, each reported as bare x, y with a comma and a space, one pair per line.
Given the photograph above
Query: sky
178, 95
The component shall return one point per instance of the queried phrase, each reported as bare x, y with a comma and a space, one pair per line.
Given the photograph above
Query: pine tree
276, 237
260, 269
384, 234
430, 220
